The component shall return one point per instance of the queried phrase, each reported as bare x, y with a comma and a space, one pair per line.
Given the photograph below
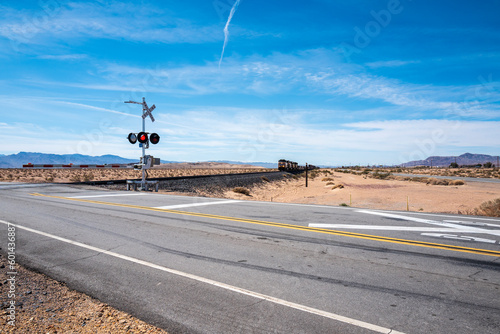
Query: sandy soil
360, 191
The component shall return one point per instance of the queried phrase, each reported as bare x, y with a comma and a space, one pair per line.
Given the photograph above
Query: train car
282, 165
292, 166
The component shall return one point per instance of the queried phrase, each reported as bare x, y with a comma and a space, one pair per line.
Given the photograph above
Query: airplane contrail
226, 28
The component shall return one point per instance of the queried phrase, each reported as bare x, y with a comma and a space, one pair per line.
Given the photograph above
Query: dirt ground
364, 192
45, 306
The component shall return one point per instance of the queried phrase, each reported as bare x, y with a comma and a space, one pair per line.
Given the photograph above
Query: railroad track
124, 181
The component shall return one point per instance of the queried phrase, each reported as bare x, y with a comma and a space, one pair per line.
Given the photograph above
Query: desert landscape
373, 188
328, 187
51, 307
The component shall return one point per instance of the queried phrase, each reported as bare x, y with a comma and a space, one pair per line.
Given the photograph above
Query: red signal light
142, 137
154, 138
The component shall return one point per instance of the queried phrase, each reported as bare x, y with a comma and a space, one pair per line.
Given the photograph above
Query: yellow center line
290, 226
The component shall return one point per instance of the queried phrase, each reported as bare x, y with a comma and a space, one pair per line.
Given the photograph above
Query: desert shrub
338, 186
437, 182
49, 178
88, 177
330, 183
381, 176
419, 179
265, 179
343, 204
313, 175
75, 178
241, 190
490, 208
326, 179
457, 183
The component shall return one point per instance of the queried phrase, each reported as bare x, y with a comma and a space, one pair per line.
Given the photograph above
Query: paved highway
205, 265
466, 179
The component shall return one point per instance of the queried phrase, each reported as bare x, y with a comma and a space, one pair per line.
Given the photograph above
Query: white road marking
179, 206
384, 228
460, 237
470, 223
110, 195
457, 228
236, 289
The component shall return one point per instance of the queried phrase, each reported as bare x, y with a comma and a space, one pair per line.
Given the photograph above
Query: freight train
292, 166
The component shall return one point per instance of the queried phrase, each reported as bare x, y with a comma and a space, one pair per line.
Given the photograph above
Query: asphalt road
205, 265
466, 179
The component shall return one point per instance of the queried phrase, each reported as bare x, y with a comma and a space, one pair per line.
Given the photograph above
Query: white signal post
146, 111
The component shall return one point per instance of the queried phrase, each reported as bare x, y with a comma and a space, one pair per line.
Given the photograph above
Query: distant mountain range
464, 159
260, 164
22, 158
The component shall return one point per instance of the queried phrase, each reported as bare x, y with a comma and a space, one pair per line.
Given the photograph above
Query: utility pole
306, 175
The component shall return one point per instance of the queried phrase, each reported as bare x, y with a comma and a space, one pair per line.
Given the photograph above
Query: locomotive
292, 166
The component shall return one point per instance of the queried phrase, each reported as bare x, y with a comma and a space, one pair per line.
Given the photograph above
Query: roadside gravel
43, 305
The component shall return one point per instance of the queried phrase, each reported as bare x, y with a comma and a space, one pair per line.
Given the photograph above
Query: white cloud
63, 57
392, 63
114, 20
309, 73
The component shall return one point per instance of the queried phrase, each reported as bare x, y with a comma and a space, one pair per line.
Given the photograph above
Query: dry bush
75, 178
326, 179
265, 179
338, 186
457, 183
437, 182
88, 177
490, 208
330, 183
380, 176
242, 190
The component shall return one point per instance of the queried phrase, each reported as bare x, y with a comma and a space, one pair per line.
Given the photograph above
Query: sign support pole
144, 186
146, 111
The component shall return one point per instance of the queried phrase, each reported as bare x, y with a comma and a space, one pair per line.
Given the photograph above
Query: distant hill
211, 164
22, 158
260, 164
464, 159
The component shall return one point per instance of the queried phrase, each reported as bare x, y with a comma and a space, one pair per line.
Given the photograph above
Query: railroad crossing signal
147, 112
154, 138
142, 137
132, 138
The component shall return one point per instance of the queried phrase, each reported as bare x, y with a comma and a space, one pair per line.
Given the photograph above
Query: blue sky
323, 82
